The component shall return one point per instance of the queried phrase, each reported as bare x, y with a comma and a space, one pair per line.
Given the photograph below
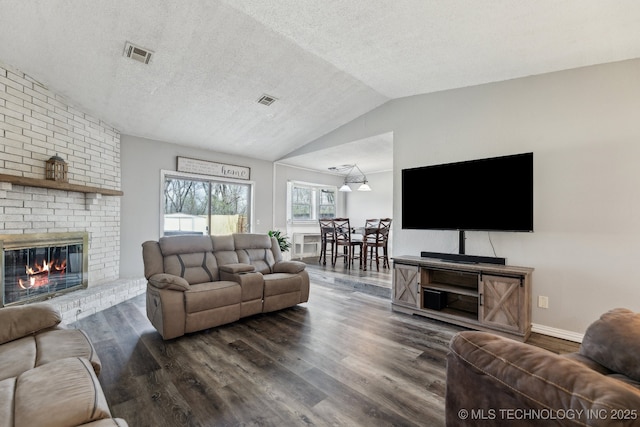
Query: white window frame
315, 200
183, 175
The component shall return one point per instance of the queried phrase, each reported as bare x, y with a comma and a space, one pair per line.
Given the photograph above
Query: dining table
359, 236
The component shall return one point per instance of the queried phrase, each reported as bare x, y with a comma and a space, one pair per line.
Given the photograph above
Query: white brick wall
35, 124
77, 305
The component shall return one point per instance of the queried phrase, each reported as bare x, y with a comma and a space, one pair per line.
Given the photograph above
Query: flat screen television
492, 194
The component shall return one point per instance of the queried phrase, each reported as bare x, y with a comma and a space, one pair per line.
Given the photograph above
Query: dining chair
369, 238
379, 238
327, 240
344, 239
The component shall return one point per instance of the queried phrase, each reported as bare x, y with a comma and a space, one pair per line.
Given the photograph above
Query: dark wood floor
342, 359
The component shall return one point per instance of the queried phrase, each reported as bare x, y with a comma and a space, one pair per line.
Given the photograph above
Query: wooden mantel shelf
57, 185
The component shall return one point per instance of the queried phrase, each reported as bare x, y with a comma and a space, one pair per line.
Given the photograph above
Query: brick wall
35, 124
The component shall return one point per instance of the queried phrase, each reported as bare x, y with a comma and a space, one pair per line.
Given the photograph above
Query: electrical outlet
543, 302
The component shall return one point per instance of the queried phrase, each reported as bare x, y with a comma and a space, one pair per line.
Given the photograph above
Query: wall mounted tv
492, 194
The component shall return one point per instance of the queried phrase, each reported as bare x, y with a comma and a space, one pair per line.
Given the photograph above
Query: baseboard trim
558, 333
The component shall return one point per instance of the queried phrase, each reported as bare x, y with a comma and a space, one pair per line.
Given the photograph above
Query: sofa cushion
17, 356
63, 343
7, 391
173, 245
227, 257
205, 296
281, 283
223, 243
195, 267
614, 342
261, 259
29, 352
626, 379
252, 241
169, 281
20, 321
65, 393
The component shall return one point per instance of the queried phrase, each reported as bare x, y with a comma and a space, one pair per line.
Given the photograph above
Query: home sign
204, 167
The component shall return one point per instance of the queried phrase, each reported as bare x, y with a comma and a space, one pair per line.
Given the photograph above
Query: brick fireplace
40, 266
36, 124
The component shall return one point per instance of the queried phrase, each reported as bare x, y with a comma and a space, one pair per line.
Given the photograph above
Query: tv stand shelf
487, 297
451, 289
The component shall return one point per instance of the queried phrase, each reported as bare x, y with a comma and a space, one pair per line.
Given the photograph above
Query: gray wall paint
377, 203
582, 126
142, 160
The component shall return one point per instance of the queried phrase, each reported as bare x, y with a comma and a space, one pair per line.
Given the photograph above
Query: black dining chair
379, 239
368, 237
327, 240
343, 237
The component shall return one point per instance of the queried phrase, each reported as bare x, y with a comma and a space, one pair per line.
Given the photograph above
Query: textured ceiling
327, 61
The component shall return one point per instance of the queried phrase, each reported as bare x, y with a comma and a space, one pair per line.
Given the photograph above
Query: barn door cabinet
495, 298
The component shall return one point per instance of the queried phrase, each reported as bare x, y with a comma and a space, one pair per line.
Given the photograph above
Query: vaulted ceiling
325, 61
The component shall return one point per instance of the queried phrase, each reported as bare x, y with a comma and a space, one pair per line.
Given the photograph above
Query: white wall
582, 126
377, 203
142, 160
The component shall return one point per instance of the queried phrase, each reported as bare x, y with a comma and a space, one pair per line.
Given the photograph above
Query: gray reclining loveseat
198, 282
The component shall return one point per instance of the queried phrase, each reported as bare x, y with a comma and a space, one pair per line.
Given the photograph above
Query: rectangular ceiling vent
137, 53
266, 100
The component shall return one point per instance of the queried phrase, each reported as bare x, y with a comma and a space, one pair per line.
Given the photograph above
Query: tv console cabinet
488, 297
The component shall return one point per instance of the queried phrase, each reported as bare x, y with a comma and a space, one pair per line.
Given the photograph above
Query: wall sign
204, 167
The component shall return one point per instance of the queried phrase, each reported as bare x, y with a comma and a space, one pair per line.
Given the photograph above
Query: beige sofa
199, 282
495, 381
48, 374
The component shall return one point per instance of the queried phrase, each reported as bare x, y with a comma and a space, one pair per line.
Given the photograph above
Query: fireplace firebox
39, 266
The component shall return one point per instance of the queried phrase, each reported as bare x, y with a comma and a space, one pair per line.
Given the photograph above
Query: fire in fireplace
38, 266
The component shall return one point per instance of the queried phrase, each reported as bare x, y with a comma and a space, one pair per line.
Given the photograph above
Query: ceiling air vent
137, 53
266, 100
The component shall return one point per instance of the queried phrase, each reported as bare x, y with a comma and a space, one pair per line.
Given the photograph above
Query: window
302, 203
310, 202
195, 205
327, 205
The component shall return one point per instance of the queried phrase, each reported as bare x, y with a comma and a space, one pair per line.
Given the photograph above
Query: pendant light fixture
354, 176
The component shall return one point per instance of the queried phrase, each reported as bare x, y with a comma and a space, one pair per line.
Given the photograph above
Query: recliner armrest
169, 281
237, 268
289, 267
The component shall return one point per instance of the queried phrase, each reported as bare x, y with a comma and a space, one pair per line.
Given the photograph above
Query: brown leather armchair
495, 381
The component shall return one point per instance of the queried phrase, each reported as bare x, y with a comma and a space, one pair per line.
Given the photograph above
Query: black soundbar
474, 259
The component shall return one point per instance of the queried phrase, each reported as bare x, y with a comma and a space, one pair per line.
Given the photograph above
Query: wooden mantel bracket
57, 185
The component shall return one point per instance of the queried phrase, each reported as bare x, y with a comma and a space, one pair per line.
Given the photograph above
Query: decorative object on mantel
204, 167
352, 178
56, 169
